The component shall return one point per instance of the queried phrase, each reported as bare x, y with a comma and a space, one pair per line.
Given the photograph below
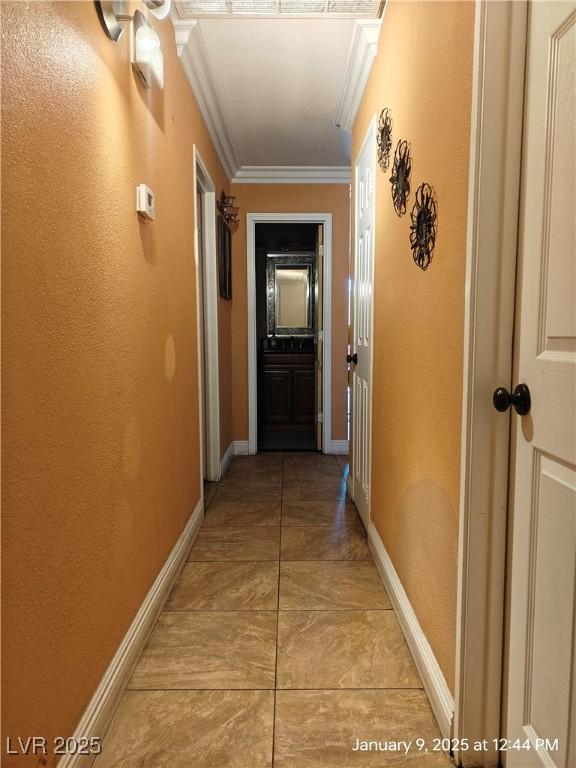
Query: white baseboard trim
339, 447
100, 711
241, 448
226, 459
441, 698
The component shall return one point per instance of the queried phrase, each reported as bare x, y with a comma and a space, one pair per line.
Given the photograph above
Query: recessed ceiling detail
283, 8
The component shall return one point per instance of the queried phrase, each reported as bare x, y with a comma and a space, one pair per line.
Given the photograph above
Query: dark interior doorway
287, 289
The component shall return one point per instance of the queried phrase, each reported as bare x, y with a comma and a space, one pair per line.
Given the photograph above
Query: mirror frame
274, 260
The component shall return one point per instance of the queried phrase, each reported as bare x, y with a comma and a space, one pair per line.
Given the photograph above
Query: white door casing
319, 340
364, 210
319, 218
491, 250
542, 622
207, 299
204, 427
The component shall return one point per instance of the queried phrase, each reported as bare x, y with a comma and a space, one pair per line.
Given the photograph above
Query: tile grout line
279, 561
277, 617
275, 610
251, 528
239, 562
301, 690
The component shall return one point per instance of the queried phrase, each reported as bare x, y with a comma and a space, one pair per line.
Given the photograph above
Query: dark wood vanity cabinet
288, 384
303, 393
277, 396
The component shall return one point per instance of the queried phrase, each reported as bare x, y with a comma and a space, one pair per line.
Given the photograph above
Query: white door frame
210, 294
292, 218
493, 208
370, 136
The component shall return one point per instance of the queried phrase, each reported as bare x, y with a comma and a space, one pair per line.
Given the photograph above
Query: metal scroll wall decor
400, 179
384, 138
423, 226
228, 210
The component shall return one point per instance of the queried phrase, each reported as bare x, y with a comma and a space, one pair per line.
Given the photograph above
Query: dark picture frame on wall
224, 245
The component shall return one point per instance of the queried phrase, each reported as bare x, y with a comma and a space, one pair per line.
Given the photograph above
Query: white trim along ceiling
358, 22
317, 218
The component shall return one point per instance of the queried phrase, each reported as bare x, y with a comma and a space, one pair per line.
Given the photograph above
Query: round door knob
352, 359
520, 399
501, 399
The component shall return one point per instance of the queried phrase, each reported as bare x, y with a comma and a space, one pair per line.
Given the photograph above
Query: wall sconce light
230, 213
114, 14
147, 57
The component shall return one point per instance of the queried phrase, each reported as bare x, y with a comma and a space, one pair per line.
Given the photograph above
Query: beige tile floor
278, 645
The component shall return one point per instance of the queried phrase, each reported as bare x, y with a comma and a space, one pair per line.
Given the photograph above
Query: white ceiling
279, 88
278, 83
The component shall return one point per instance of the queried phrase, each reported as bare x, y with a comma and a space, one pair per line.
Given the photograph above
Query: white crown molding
182, 31
292, 174
194, 59
363, 50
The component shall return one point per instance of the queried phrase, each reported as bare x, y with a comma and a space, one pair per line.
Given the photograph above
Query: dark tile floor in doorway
287, 440
278, 645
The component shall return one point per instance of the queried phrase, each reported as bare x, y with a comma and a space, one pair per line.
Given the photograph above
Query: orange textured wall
100, 385
423, 72
292, 198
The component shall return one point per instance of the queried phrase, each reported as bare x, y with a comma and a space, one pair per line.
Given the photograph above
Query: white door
362, 332
542, 664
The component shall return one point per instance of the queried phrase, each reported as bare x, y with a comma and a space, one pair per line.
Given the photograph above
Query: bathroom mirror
292, 288
290, 294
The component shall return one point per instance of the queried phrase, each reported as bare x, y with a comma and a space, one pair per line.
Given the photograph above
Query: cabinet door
303, 385
277, 396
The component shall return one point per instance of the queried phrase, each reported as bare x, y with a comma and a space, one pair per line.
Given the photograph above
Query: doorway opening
289, 342
288, 296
